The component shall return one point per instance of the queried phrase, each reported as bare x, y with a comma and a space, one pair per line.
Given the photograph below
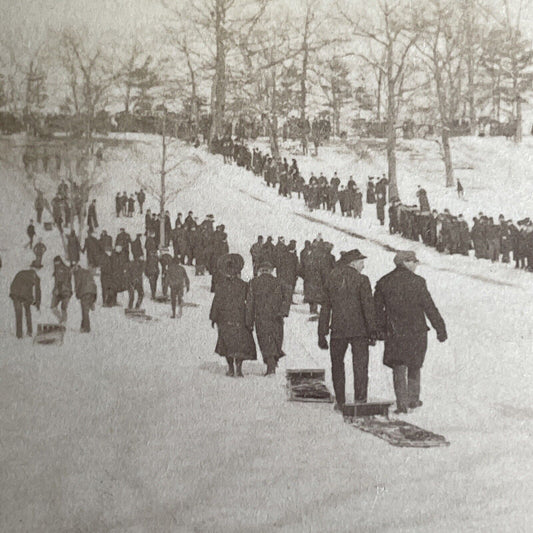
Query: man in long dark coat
178, 281
134, 279
86, 294
347, 313
73, 248
25, 291
62, 290
92, 248
92, 220
255, 252
287, 272
265, 310
228, 311
402, 303
151, 270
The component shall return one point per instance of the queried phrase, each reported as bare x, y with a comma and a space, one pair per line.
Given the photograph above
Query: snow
135, 427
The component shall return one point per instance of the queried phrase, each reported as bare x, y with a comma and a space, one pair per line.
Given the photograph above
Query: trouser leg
173, 295
64, 307
399, 375
131, 294
18, 317
140, 295
360, 368
231, 370
337, 351
413, 384
27, 309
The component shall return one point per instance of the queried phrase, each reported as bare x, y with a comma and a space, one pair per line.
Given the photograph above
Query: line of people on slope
445, 232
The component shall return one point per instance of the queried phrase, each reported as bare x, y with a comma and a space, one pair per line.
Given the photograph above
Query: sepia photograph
266, 266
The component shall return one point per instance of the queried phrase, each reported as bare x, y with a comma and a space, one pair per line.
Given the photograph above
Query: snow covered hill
135, 427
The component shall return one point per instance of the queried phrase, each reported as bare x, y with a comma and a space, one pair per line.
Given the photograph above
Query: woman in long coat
235, 341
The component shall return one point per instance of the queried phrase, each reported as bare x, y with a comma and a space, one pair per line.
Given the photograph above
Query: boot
238, 364
230, 372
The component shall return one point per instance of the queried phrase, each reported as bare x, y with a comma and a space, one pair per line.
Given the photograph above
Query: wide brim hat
230, 264
404, 256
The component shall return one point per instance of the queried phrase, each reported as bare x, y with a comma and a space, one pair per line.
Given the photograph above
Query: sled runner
396, 432
307, 385
49, 334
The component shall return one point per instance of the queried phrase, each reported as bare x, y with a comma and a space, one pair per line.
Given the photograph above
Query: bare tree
184, 167
442, 47
393, 29
91, 74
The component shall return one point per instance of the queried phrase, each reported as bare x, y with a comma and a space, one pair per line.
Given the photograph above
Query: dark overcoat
347, 307
265, 309
228, 311
402, 303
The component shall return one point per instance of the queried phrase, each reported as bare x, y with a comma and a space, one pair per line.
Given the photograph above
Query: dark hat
352, 255
403, 256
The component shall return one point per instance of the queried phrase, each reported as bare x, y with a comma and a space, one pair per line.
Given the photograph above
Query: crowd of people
447, 233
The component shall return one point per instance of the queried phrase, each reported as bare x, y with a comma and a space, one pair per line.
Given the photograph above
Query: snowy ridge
134, 427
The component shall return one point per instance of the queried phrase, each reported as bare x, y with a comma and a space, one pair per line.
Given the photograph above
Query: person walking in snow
235, 341
30, 232
92, 220
86, 294
402, 303
348, 316
25, 291
62, 290
265, 310
39, 206
422, 196
460, 189
141, 197
177, 281
39, 249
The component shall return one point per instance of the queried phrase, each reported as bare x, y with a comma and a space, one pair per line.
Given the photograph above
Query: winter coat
287, 270
423, 200
177, 276
151, 268
347, 306
402, 303
136, 248
62, 281
134, 272
93, 250
73, 248
118, 269
84, 283
123, 239
228, 311
26, 286
264, 309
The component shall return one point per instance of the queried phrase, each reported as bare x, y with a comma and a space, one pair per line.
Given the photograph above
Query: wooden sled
137, 314
47, 226
307, 385
190, 304
397, 432
162, 299
49, 334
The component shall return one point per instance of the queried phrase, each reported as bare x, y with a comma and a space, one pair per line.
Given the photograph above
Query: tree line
213, 61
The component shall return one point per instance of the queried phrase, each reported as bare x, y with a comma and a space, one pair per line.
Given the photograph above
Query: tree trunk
447, 155
303, 81
217, 126
163, 184
273, 120
518, 131
391, 127
380, 80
